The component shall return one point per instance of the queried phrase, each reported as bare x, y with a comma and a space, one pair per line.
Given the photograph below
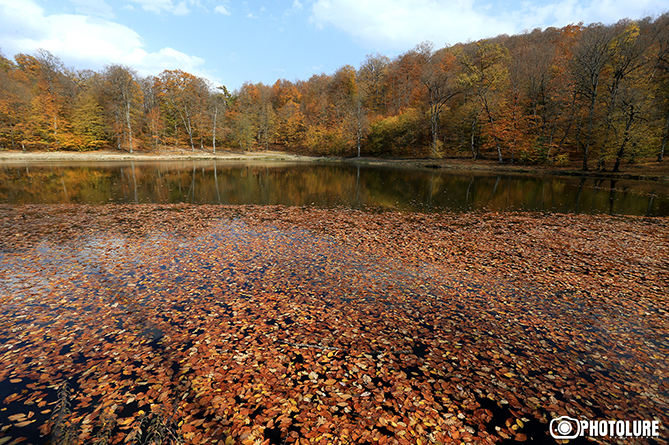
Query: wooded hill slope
598, 93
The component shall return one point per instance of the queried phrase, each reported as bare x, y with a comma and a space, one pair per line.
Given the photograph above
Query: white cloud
87, 41
220, 9
571, 11
295, 8
168, 6
167, 59
16, 25
93, 7
401, 24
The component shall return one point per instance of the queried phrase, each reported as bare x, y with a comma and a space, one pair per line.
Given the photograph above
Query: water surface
325, 185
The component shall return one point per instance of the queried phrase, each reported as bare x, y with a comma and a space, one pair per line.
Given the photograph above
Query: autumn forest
597, 93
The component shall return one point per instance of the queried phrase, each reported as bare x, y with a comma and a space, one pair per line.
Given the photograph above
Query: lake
326, 185
276, 303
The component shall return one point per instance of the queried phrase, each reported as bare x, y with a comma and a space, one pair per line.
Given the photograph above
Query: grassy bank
645, 169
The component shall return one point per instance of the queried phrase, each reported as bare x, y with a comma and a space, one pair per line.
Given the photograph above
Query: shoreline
644, 170
10, 157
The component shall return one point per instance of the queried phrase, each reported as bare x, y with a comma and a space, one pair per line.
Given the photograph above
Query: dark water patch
274, 435
535, 431
420, 350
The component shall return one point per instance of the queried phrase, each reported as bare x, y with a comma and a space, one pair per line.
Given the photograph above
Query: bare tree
590, 57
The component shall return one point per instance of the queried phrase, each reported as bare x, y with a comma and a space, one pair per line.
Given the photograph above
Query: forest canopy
597, 93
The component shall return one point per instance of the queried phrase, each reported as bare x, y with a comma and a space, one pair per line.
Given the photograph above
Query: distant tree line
599, 93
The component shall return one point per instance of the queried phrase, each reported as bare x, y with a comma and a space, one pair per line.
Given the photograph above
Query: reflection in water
325, 185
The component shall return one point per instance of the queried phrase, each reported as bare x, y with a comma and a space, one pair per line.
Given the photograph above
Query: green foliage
534, 154
326, 141
399, 135
88, 124
243, 130
561, 160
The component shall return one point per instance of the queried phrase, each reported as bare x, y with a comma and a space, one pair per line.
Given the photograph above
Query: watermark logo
569, 428
565, 428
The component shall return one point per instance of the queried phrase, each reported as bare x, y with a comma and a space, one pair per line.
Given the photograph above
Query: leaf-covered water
271, 324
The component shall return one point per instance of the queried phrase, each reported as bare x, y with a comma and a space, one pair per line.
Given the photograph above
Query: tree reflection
326, 186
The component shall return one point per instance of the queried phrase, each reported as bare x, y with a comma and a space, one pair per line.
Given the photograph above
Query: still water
325, 185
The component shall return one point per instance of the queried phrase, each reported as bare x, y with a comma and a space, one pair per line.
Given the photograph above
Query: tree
358, 120
439, 77
218, 105
184, 95
14, 104
372, 84
287, 100
660, 78
626, 84
88, 122
50, 68
243, 125
341, 90
403, 80
316, 104
561, 91
47, 119
124, 97
265, 115
590, 57
153, 122
484, 74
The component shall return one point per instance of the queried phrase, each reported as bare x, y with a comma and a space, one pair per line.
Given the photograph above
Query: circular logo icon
564, 428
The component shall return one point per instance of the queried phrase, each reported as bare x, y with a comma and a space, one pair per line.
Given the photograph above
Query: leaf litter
274, 325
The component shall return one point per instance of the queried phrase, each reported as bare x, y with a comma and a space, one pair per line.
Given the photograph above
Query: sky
231, 42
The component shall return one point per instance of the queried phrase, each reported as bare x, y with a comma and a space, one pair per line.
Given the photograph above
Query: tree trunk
214, 131
127, 118
358, 135
434, 123
497, 145
514, 118
190, 131
626, 137
591, 118
11, 132
664, 139
492, 125
190, 134
473, 145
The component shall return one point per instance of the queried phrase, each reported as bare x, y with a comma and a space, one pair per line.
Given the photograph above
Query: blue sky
230, 42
